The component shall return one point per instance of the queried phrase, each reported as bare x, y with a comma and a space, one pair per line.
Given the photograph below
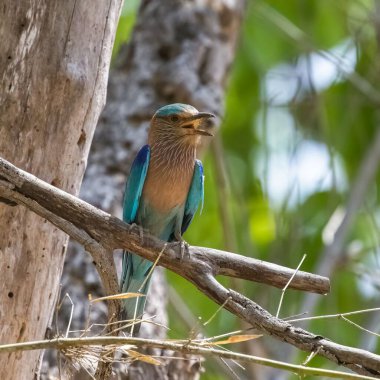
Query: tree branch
83, 221
188, 347
73, 215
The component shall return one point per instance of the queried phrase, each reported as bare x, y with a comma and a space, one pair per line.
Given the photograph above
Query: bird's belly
165, 198
160, 224
161, 207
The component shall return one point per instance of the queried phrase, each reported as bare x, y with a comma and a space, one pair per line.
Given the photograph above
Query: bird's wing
135, 183
130, 268
195, 196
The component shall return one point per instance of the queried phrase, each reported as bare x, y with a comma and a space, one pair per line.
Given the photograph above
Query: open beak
199, 115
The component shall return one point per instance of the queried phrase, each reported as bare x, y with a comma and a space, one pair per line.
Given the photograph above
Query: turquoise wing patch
135, 184
195, 196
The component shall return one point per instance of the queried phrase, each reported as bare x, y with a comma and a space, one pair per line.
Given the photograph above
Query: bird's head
180, 123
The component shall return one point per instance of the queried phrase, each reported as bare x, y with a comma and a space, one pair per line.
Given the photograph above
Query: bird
163, 192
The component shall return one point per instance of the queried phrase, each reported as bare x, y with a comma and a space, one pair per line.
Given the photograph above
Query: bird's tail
134, 279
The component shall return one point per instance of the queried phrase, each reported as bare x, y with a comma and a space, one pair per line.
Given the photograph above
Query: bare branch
73, 215
91, 227
195, 347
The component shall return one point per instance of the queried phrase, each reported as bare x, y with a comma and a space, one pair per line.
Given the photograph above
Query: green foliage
126, 21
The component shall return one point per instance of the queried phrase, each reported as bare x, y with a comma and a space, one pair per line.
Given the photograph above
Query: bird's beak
198, 116
202, 132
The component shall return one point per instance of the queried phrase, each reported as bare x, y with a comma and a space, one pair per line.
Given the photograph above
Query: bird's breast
167, 189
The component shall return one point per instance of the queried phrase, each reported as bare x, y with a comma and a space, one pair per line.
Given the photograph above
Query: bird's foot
133, 227
183, 248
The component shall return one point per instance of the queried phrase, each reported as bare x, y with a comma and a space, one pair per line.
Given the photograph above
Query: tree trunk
54, 66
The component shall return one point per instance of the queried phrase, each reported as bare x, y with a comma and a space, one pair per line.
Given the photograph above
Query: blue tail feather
134, 273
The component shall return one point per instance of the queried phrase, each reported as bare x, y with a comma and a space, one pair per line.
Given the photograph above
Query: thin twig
287, 285
217, 311
360, 327
340, 315
71, 314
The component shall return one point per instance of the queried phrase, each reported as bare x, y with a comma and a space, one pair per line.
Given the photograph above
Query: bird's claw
140, 230
183, 248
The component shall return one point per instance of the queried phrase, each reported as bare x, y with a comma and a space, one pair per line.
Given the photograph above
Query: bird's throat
173, 161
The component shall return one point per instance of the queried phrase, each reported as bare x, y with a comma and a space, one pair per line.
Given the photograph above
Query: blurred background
293, 172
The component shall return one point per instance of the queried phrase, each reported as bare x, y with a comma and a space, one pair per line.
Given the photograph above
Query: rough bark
54, 69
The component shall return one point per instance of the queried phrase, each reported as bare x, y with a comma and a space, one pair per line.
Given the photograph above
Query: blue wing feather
195, 196
132, 195
135, 184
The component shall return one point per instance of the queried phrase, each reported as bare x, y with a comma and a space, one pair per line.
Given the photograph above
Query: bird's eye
174, 118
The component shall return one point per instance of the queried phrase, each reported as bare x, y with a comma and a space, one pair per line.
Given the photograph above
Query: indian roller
163, 191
